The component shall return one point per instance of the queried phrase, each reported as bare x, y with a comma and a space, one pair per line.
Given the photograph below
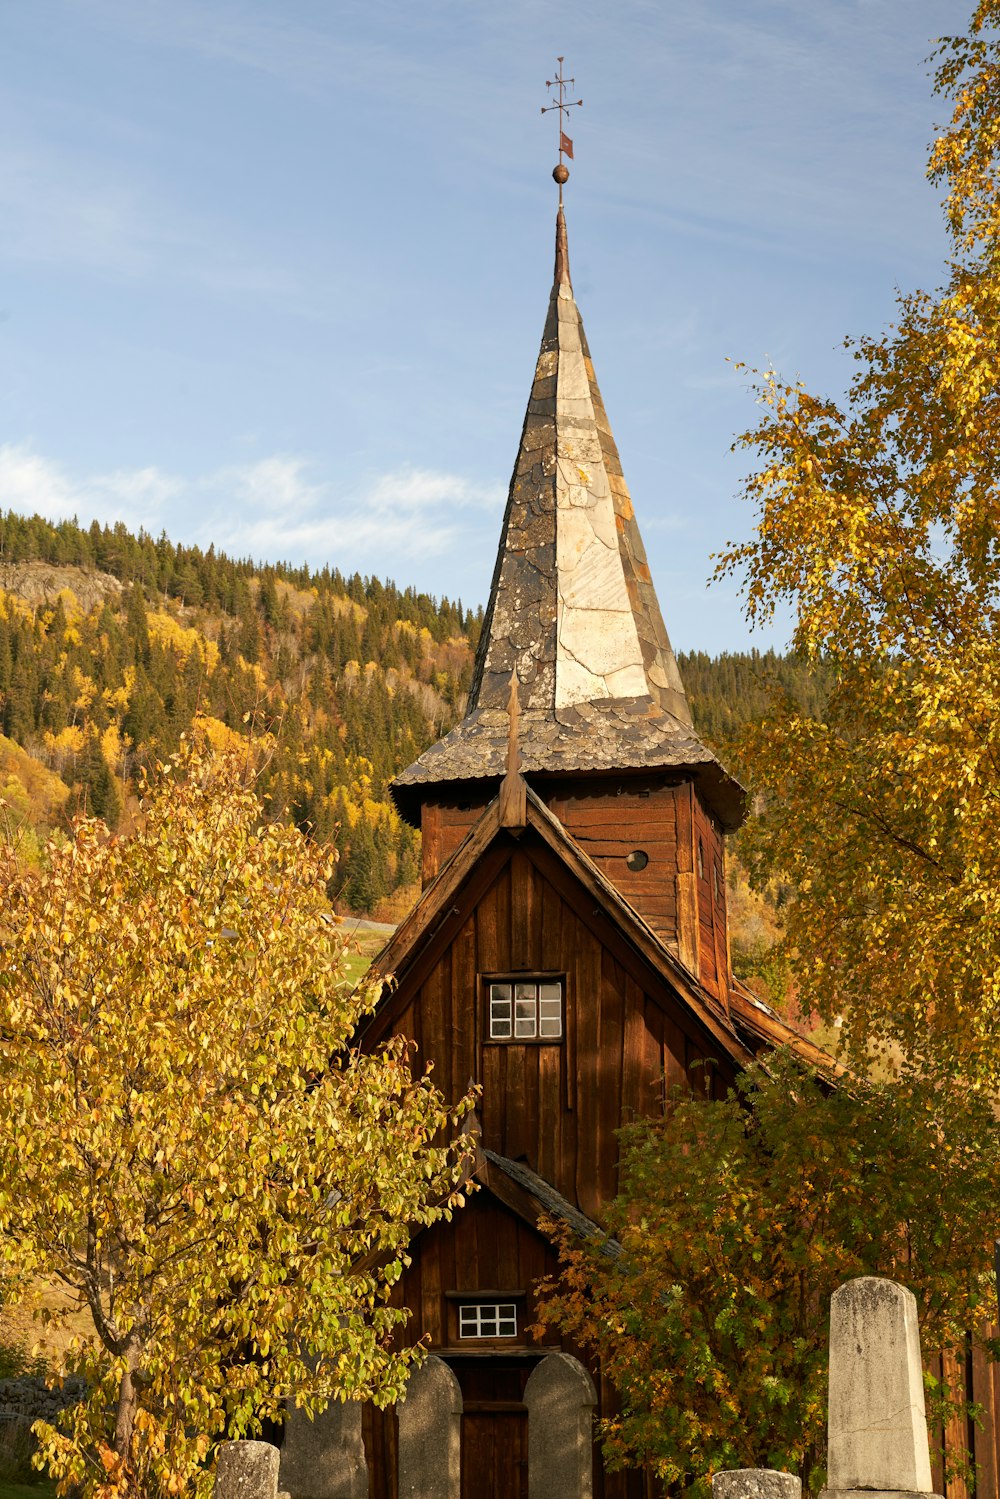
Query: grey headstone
430, 1434
560, 1397
877, 1425
324, 1458
246, 1470
755, 1483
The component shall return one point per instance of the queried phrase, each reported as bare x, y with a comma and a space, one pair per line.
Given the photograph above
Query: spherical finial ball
560, 174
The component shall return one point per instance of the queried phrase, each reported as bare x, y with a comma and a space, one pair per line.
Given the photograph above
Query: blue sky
273, 272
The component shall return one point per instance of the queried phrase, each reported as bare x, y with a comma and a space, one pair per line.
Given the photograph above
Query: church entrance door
494, 1427
495, 1454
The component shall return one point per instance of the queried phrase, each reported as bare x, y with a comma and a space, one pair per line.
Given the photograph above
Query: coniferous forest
113, 646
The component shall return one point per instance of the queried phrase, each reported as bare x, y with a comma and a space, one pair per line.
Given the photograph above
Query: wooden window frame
487, 980
499, 1307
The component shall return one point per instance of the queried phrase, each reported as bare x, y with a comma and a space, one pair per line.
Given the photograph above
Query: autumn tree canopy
878, 520
191, 1144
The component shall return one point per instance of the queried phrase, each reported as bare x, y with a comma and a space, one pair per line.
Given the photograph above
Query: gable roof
572, 606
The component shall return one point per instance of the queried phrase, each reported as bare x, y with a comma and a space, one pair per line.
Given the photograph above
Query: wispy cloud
273, 509
32, 484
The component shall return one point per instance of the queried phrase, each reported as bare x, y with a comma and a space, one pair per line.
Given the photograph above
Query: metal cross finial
563, 105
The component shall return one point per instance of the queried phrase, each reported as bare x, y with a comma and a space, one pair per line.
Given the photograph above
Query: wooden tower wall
681, 892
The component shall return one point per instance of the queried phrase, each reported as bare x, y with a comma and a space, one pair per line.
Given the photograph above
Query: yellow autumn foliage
182, 639
878, 522
178, 1148
45, 793
219, 735
69, 741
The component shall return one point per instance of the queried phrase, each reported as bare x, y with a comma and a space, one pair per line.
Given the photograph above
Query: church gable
526, 983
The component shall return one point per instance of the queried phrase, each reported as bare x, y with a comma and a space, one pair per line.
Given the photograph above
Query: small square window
487, 1319
526, 1010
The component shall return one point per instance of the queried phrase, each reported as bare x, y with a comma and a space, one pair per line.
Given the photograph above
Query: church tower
568, 954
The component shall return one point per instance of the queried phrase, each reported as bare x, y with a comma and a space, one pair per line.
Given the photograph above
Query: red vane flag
566, 145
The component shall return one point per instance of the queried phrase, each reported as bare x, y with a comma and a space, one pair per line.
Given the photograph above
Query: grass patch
43, 1489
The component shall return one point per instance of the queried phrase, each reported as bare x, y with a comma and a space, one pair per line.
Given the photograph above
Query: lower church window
487, 1319
529, 1009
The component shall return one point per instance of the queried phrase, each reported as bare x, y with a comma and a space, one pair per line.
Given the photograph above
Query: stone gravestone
247, 1470
324, 1457
877, 1426
430, 1433
560, 1397
755, 1483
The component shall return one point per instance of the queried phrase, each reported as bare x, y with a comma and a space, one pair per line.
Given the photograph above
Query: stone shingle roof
572, 607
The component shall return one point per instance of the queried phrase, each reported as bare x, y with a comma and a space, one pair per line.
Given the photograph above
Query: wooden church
569, 952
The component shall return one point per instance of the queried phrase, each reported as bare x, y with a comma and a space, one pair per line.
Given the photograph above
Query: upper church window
525, 1009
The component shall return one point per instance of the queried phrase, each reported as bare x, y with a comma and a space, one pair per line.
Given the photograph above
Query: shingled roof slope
572, 606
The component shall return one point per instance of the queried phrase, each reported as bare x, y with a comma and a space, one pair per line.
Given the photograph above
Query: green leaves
192, 1144
736, 1221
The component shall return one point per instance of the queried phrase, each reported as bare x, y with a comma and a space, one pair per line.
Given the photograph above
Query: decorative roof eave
760, 1021
602, 738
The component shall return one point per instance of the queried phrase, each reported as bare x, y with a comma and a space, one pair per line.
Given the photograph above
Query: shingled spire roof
572, 606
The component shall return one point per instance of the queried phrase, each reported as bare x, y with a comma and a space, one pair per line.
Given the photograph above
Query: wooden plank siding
444, 823
973, 1376
713, 942
556, 1105
611, 818
607, 818
486, 1248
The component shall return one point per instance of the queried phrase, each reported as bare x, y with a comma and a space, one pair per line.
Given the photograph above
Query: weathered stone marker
430, 1433
560, 1397
246, 1470
877, 1426
755, 1483
324, 1458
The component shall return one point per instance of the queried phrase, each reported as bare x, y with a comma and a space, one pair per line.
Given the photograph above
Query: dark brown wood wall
444, 823
611, 819
710, 868
975, 1378
626, 1042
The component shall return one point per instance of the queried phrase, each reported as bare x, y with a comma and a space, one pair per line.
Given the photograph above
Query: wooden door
494, 1426
495, 1454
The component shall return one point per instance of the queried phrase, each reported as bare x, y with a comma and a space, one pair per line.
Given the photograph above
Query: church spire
572, 619
572, 605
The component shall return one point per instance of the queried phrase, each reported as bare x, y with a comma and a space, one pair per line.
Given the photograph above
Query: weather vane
564, 105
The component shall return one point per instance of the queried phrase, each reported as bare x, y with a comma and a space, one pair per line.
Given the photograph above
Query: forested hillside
112, 646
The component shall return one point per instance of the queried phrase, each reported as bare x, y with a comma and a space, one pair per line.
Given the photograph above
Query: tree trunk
128, 1402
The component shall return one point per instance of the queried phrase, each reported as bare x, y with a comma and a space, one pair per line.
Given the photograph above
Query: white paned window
526, 1010
487, 1319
